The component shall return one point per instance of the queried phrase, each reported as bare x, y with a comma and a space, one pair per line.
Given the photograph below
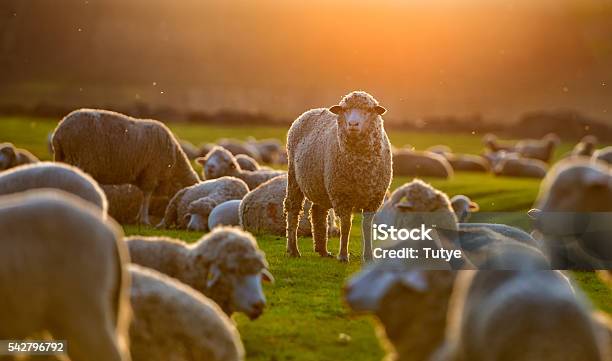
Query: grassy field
306, 315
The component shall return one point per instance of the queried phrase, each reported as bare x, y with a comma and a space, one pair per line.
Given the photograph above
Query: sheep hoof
293, 253
344, 258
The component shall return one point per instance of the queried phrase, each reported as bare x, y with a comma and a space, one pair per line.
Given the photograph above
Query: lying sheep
220, 162
63, 271
420, 164
540, 149
174, 322
467, 162
225, 214
124, 202
53, 175
190, 150
118, 149
521, 167
524, 314
604, 155
269, 149
238, 147
10, 156
572, 212
463, 207
339, 158
261, 211
191, 206
247, 163
226, 265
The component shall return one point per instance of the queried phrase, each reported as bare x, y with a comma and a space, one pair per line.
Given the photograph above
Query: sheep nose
257, 309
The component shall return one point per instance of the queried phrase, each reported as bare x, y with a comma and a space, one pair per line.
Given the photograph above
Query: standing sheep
118, 149
261, 211
339, 158
174, 322
220, 162
226, 265
10, 156
53, 175
63, 270
604, 155
191, 206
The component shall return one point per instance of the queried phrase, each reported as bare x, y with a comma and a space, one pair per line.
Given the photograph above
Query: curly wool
230, 249
359, 100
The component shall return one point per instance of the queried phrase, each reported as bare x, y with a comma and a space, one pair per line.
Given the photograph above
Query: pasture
305, 315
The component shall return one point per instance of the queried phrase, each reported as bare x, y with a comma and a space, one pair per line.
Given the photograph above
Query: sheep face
7, 155
198, 212
356, 123
218, 162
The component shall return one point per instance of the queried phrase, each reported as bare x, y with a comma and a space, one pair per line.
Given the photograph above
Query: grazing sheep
118, 149
339, 158
63, 271
490, 141
124, 202
572, 212
174, 322
190, 150
237, 147
261, 211
463, 207
53, 175
247, 163
525, 313
226, 265
541, 149
225, 214
604, 155
420, 164
191, 206
220, 162
521, 167
12, 157
269, 149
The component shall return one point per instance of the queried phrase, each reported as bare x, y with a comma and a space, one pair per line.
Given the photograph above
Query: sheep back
421, 164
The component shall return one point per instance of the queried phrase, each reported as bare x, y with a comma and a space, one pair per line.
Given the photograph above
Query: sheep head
359, 115
7, 155
198, 212
235, 268
218, 162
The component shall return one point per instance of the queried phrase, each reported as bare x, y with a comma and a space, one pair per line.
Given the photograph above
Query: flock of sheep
67, 271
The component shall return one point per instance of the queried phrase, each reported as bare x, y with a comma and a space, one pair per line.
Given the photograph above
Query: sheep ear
534, 213
474, 207
214, 273
415, 280
266, 276
201, 160
336, 109
9, 152
379, 110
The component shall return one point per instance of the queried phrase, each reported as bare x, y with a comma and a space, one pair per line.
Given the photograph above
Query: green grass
306, 315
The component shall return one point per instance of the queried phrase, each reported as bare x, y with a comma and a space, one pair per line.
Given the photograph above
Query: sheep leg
294, 202
366, 235
144, 210
318, 222
346, 218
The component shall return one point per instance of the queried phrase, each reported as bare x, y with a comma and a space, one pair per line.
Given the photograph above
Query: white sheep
339, 158
524, 313
247, 163
541, 149
191, 206
117, 149
572, 212
520, 167
412, 163
220, 162
63, 271
10, 156
463, 207
604, 155
226, 265
261, 211
53, 175
225, 214
174, 322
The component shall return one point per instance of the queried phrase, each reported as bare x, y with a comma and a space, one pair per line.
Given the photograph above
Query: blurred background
473, 65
